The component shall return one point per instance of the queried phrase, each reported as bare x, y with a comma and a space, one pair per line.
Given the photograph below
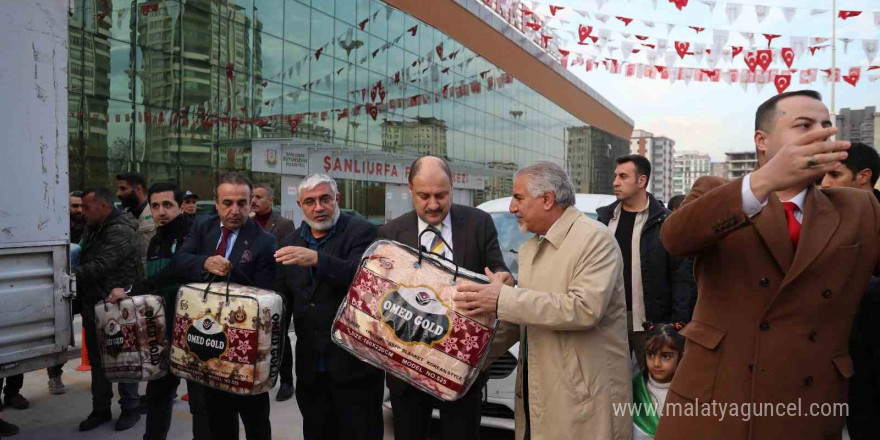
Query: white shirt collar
447, 223
800, 199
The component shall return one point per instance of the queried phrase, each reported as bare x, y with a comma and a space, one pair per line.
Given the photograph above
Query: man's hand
803, 161
477, 299
218, 265
298, 255
116, 295
506, 278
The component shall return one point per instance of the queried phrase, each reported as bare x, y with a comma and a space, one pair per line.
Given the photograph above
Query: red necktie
794, 226
224, 242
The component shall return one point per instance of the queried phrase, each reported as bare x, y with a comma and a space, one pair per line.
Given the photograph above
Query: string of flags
733, 10
781, 78
199, 117
637, 51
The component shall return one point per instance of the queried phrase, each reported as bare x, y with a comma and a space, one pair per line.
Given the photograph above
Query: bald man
471, 235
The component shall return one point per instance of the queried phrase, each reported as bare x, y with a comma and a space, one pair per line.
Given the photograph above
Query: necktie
224, 242
437, 246
794, 226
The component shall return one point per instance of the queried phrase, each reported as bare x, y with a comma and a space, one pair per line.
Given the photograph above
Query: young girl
663, 350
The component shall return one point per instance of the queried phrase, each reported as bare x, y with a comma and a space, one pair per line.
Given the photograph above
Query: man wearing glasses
339, 396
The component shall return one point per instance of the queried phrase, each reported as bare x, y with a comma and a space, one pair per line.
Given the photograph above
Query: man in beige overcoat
570, 312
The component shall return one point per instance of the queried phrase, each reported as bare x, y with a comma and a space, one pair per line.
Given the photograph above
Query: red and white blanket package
399, 316
132, 338
228, 337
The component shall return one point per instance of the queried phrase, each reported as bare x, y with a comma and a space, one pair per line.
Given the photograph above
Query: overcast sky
717, 117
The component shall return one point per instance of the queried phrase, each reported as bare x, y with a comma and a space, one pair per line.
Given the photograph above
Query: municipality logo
271, 157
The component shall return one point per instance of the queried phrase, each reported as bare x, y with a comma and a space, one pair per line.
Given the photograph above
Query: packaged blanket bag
228, 336
399, 316
131, 336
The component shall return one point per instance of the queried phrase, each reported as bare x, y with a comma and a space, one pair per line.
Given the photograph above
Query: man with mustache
474, 246
131, 189
231, 246
568, 312
339, 396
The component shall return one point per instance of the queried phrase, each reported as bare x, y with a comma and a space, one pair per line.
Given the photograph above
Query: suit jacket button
808, 380
312, 305
826, 293
751, 366
764, 326
765, 282
814, 336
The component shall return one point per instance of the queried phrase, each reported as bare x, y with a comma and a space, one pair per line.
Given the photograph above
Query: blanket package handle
436, 232
228, 280
208, 289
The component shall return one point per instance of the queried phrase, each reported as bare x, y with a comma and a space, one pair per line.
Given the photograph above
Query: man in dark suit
231, 245
861, 169
339, 396
273, 223
474, 241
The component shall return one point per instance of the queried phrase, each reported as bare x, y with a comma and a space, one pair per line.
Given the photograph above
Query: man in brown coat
779, 283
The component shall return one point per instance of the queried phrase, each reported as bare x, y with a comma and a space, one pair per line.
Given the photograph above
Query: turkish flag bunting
848, 14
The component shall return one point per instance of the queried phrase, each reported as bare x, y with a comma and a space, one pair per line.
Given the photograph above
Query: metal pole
833, 58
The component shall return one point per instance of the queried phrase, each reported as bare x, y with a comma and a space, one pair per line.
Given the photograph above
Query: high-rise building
859, 125
660, 151
424, 136
689, 166
719, 169
499, 186
90, 150
591, 155
740, 163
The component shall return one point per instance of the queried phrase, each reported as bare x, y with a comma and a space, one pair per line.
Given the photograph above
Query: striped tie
437, 246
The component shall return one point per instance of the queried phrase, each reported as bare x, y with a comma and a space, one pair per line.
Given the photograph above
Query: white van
499, 392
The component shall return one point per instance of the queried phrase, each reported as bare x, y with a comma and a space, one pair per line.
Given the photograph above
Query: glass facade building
184, 90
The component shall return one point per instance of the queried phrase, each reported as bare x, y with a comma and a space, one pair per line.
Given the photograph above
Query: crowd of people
749, 291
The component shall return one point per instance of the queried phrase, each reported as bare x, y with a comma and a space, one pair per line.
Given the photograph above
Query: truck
35, 285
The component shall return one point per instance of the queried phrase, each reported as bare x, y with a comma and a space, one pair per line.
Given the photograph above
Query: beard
325, 225
129, 201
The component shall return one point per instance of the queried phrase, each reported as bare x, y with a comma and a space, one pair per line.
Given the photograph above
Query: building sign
299, 161
344, 167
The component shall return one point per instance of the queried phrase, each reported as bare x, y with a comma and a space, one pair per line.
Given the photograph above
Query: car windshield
510, 238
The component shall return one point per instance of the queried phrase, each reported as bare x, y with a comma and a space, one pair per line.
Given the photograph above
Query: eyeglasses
325, 200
